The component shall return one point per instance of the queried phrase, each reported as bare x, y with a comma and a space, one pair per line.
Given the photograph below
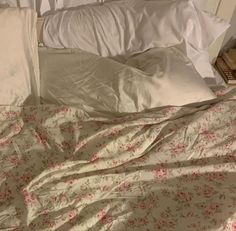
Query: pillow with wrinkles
126, 27
156, 78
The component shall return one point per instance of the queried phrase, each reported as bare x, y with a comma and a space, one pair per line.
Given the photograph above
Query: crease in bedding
171, 168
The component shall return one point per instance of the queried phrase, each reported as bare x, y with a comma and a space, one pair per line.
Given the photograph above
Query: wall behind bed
225, 10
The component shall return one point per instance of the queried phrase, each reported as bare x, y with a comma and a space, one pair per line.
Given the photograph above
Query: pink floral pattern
168, 169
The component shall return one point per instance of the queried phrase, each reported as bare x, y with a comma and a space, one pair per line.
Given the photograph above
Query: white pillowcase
159, 77
199, 58
133, 26
19, 69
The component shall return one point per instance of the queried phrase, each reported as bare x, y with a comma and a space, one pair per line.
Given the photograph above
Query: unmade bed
94, 141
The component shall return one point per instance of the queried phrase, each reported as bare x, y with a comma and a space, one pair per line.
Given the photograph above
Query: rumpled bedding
172, 168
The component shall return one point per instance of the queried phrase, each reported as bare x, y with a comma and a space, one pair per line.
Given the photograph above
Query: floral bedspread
167, 169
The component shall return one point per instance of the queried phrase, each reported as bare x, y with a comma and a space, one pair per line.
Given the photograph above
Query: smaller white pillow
159, 77
19, 68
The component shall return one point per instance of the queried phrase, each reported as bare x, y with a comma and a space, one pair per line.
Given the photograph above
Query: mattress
171, 168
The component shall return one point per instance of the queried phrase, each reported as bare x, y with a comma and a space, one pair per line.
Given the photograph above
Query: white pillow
19, 69
199, 58
128, 27
160, 77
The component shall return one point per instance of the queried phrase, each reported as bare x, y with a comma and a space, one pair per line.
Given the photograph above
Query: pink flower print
142, 206
104, 218
160, 173
183, 196
50, 224
137, 222
211, 209
69, 181
30, 118
220, 93
84, 196
80, 145
56, 166
214, 176
12, 114
165, 192
142, 222
28, 198
208, 135
233, 226
40, 138
71, 128
72, 214
3, 176
25, 178
140, 160
169, 110
63, 110
124, 187
194, 176
114, 132
131, 148
205, 191
4, 143
178, 149
16, 128
15, 160
105, 188
146, 127
216, 109
166, 224
233, 123
6, 195
66, 146
95, 158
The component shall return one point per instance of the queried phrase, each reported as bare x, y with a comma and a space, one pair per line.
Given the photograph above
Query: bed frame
222, 8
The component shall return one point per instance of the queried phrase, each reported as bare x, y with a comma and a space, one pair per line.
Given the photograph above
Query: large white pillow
199, 58
19, 68
159, 77
130, 26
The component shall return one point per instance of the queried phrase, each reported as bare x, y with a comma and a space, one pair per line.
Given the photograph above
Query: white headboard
222, 8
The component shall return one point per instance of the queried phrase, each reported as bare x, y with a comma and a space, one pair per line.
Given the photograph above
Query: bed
81, 160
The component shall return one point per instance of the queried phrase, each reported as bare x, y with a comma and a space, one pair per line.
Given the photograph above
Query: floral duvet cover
170, 168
